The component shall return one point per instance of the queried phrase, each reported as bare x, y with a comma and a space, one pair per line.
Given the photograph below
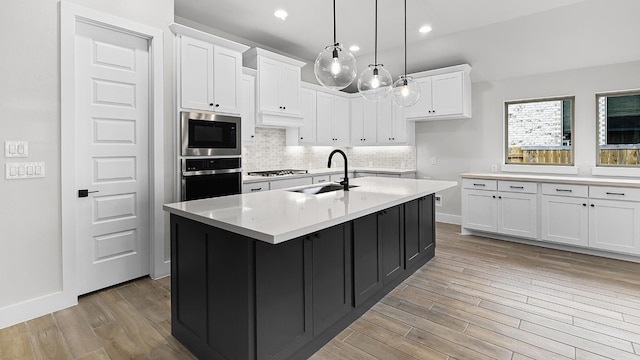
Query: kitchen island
277, 274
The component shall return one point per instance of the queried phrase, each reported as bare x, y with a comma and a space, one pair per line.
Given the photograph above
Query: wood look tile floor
477, 299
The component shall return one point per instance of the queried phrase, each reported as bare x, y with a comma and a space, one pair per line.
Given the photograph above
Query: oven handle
211, 172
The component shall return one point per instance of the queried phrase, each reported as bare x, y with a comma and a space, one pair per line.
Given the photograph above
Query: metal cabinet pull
479, 184
613, 193
256, 189
564, 190
516, 187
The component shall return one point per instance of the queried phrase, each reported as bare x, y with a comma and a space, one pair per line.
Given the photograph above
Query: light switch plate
30, 170
13, 149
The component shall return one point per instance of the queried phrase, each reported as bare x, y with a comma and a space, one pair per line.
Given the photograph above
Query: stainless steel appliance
210, 177
209, 134
272, 173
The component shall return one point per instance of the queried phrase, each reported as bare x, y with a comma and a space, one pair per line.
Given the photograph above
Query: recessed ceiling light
425, 29
354, 48
281, 14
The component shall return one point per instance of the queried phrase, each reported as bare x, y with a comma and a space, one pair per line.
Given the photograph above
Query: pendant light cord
335, 42
405, 38
375, 49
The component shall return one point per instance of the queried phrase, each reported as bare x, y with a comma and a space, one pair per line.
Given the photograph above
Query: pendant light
375, 81
335, 67
406, 91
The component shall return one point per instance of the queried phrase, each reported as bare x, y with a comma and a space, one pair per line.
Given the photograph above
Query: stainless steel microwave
209, 134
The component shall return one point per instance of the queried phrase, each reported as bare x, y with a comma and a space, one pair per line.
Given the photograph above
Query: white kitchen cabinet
363, 122
210, 76
332, 119
287, 183
278, 88
564, 214
390, 123
614, 224
505, 207
248, 106
255, 187
444, 94
321, 179
306, 133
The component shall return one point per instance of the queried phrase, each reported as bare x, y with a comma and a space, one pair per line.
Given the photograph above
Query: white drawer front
518, 186
255, 187
614, 193
480, 184
565, 190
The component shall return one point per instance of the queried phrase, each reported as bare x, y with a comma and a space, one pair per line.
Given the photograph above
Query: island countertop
280, 215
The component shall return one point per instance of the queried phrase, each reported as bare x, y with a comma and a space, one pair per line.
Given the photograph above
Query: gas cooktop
277, 172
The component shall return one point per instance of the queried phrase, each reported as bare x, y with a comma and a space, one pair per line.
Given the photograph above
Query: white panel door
290, 89
307, 132
247, 102
565, 220
227, 74
112, 99
614, 225
479, 210
269, 84
196, 74
341, 120
518, 214
424, 106
384, 120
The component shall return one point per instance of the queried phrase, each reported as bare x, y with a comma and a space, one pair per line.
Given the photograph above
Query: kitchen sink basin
322, 189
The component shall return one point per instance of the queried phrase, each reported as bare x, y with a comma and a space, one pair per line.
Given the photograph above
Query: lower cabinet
419, 231
390, 234
614, 225
367, 257
283, 298
331, 279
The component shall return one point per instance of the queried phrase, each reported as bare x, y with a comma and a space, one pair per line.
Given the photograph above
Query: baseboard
449, 218
33, 308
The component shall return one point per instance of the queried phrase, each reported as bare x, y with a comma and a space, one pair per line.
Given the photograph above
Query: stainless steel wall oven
209, 134
210, 177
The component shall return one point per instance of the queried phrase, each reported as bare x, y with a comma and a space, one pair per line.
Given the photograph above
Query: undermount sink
322, 189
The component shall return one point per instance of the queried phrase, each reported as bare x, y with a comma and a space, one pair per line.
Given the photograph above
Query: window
539, 131
618, 129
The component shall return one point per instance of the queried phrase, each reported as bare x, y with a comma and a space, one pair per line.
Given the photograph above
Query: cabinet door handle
323, 180
592, 205
564, 190
499, 197
252, 136
210, 104
217, 105
256, 189
479, 184
584, 204
494, 196
517, 187
614, 193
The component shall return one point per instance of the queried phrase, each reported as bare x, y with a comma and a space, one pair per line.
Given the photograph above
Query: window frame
571, 159
598, 163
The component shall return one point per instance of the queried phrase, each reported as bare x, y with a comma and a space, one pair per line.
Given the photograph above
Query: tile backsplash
269, 152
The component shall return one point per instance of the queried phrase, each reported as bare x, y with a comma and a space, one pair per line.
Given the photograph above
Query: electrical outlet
403, 165
370, 163
438, 200
494, 168
434, 161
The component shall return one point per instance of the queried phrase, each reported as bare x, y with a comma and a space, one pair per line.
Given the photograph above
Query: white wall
30, 218
475, 144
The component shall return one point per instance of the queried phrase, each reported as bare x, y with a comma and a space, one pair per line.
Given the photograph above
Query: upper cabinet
248, 105
278, 88
306, 133
332, 119
209, 71
363, 122
445, 94
392, 128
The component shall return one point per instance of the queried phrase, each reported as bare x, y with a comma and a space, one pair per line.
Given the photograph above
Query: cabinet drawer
255, 187
614, 193
565, 190
480, 184
518, 186
287, 183
321, 179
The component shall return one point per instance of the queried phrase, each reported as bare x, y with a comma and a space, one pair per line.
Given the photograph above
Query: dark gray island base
234, 297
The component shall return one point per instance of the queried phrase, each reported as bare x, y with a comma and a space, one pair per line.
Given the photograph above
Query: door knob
85, 192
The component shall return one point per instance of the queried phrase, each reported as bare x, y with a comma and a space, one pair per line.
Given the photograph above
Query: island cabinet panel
390, 233
331, 262
367, 257
283, 298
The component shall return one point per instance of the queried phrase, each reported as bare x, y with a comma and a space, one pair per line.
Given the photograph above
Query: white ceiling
499, 38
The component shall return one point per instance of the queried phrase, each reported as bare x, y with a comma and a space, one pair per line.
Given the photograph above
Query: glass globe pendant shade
375, 83
335, 67
406, 91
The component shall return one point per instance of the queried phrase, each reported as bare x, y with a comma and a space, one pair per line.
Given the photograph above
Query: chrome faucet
345, 182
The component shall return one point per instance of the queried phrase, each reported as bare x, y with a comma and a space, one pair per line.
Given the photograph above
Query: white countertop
279, 215
328, 171
555, 179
